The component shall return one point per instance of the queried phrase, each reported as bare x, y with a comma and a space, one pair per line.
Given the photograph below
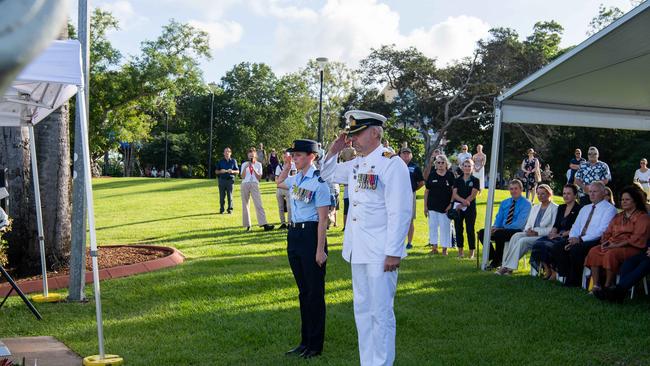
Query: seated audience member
633, 270
540, 222
540, 256
609, 195
626, 236
585, 234
510, 219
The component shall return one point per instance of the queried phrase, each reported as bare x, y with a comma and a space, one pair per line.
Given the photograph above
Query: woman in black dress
532, 174
541, 255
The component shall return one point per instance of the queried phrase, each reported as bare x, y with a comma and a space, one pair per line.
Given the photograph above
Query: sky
286, 34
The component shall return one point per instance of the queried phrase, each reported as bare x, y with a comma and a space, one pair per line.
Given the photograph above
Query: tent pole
39, 213
91, 219
494, 161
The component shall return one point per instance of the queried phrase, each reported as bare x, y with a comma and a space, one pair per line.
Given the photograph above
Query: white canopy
604, 82
44, 85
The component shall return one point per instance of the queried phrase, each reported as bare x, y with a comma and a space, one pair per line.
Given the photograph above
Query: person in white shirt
642, 175
282, 194
463, 155
377, 223
251, 173
591, 223
479, 165
540, 222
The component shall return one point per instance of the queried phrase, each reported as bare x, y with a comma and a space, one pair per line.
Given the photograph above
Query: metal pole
210, 148
39, 213
320, 109
78, 245
91, 226
494, 160
166, 140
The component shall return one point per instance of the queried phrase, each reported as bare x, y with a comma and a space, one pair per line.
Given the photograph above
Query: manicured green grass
234, 301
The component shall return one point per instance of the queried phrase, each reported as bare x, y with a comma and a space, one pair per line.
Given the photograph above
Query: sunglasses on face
440, 162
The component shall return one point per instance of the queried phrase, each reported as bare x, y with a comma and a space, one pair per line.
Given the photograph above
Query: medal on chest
368, 180
301, 194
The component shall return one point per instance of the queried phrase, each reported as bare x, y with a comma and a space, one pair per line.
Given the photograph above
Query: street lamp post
166, 142
322, 61
212, 86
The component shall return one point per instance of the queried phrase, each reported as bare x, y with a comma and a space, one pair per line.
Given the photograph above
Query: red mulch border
174, 258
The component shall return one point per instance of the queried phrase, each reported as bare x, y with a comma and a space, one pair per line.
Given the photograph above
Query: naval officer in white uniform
380, 214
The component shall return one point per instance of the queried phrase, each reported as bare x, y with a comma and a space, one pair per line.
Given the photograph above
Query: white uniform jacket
381, 205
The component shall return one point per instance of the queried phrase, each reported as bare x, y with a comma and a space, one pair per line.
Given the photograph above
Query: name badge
301, 194
367, 181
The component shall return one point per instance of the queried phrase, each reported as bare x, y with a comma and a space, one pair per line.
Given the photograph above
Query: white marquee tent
604, 82
44, 85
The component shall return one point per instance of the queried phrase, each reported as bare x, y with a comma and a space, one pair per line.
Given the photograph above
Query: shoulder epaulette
388, 154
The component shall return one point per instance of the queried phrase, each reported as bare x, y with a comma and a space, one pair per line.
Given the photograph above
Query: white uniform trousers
516, 247
374, 291
281, 195
439, 222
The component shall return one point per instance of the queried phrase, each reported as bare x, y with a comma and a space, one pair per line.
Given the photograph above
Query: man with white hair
378, 221
593, 170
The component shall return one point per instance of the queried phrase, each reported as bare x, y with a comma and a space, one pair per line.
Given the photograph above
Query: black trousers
469, 217
634, 269
570, 263
310, 278
225, 190
500, 237
542, 251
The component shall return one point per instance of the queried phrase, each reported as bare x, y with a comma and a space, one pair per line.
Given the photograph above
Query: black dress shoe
221, 212
248, 228
268, 227
298, 351
310, 354
229, 212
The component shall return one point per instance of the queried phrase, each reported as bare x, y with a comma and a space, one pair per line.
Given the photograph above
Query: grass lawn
234, 301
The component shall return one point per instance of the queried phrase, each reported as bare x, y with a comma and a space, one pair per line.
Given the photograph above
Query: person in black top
466, 187
226, 170
417, 181
574, 165
541, 255
437, 201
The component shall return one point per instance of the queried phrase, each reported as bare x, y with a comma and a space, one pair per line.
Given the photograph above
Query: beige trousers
281, 195
248, 190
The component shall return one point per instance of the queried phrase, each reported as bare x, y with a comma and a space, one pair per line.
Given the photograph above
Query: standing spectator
532, 174
262, 158
225, 171
251, 173
591, 171
539, 223
642, 175
585, 234
282, 194
417, 182
437, 202
466, 188
464, 154
540, 256
574, 165
429, 163
626, 236
154, 172
386, 146
273, 163
335, 191
510, 220
479, 160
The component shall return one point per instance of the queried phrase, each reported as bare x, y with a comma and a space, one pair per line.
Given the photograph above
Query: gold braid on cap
353, 122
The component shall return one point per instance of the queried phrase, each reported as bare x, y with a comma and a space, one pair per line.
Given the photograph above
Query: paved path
48, 350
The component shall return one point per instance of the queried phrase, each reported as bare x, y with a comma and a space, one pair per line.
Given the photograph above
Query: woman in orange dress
625, 236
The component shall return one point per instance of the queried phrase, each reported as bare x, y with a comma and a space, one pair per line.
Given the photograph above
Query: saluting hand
339, 144
321, 257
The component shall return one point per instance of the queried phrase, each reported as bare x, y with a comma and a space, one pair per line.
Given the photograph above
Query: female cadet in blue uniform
309, 197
